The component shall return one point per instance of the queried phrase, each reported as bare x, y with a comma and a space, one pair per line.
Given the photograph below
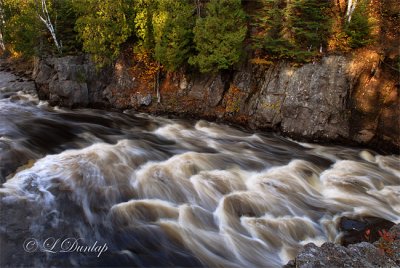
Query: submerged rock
354, 230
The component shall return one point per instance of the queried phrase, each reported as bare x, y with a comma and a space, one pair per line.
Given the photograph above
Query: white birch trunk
351, 6
158, 87
45, 18
2, 46
2, 23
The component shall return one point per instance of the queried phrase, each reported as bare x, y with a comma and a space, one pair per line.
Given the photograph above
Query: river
139, 190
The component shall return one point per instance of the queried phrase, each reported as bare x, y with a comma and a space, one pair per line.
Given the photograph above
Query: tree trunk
44, 16
198, 8
351, 6
158, 86
2, 22
2, 46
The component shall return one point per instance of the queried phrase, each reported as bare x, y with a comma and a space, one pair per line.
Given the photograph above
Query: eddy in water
95, 188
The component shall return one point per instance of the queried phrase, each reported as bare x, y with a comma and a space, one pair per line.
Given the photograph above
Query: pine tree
359, 28
172, 23
295, 29
103, 27
309, 23
143, 23
275, 40
219, 36
65, 16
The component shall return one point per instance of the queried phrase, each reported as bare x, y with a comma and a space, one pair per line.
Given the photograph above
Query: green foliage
273, 22
208, 34
21, 28
65, 16
25, 33
309, 23
294, 29
143, 23
172, 24
103, 26
359, 28
219, 36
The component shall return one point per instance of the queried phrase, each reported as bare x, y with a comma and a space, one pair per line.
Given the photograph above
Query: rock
364, 136
331, 255
207, 89
69, 92
391, 242
314, 105
144, 100
10, 84
363, 254
214, 91
329, 100
354, 229
71, 81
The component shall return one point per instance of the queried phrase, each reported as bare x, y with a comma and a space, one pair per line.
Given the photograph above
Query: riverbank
351, 100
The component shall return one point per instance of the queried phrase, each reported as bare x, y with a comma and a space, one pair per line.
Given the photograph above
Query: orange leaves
145, 66
367, 234
385, 243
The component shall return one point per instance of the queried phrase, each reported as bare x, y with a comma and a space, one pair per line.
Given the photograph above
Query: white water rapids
169, 192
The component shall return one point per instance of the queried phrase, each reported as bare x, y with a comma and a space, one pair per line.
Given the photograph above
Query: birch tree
358, 27
351, 6
2, 23
44, 17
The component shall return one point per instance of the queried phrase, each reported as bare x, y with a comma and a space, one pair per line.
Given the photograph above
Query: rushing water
167, 192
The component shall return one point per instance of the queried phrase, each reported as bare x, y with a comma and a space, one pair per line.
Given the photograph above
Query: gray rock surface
360, 255
329, 100
71, 81
315, 103
144, 100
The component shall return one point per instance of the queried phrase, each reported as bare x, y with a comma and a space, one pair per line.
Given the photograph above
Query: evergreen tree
65, 17
295, 29
309, 23
359, 28
219, 36
143, 23
275, 40
172, 23
103, 26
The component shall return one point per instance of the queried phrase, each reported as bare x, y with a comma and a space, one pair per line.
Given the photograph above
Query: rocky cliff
352, 99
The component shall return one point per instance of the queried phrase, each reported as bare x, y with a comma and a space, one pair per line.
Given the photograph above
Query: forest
205, 35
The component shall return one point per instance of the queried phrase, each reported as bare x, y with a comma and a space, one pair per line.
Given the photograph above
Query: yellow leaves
148, 67
233, 99
261, 61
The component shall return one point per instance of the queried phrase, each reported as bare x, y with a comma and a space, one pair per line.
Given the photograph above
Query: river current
165, 192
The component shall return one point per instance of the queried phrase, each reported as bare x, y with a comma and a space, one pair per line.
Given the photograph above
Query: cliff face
344, 99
